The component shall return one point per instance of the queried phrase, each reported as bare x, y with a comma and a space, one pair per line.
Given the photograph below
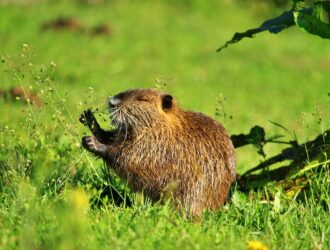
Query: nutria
163, 150
101, 29
21, 94
25, 96
63, 23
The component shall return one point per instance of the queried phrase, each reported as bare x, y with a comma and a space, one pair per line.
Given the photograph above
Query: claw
88, 142
87, 118
82, 119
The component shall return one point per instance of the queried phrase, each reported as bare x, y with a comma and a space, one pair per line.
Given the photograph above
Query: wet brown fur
166, 151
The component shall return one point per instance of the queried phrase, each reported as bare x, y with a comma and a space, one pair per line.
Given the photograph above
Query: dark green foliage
313, 18
274, 25
316, 20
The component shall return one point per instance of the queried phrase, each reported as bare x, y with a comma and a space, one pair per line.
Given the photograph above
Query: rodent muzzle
113, 102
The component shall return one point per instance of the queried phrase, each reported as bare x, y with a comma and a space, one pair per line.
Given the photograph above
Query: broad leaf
274, 25
314, 18
315, 22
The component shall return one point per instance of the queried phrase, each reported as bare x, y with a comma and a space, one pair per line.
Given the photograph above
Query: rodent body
164, 151
19, 93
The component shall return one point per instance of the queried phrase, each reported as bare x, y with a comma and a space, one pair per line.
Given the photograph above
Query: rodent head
140, 108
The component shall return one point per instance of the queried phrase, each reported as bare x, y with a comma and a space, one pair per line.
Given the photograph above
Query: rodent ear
167, 101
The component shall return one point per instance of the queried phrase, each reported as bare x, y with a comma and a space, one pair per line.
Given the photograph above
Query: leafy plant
312, 17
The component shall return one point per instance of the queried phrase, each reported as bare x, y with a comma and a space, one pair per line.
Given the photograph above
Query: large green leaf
274, 25
313, 18
315, 22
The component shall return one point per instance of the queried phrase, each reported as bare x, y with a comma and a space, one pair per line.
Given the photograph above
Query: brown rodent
162, 150
25, 95
64, 23
21, 94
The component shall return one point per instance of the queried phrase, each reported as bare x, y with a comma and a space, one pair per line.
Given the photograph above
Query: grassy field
51, 190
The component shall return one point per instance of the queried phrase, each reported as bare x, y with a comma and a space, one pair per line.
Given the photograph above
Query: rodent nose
113, 101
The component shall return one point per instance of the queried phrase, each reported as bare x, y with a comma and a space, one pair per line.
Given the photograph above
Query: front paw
90, 143
87, 118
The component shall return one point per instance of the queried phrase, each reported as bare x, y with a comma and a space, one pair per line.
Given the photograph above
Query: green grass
50, 187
